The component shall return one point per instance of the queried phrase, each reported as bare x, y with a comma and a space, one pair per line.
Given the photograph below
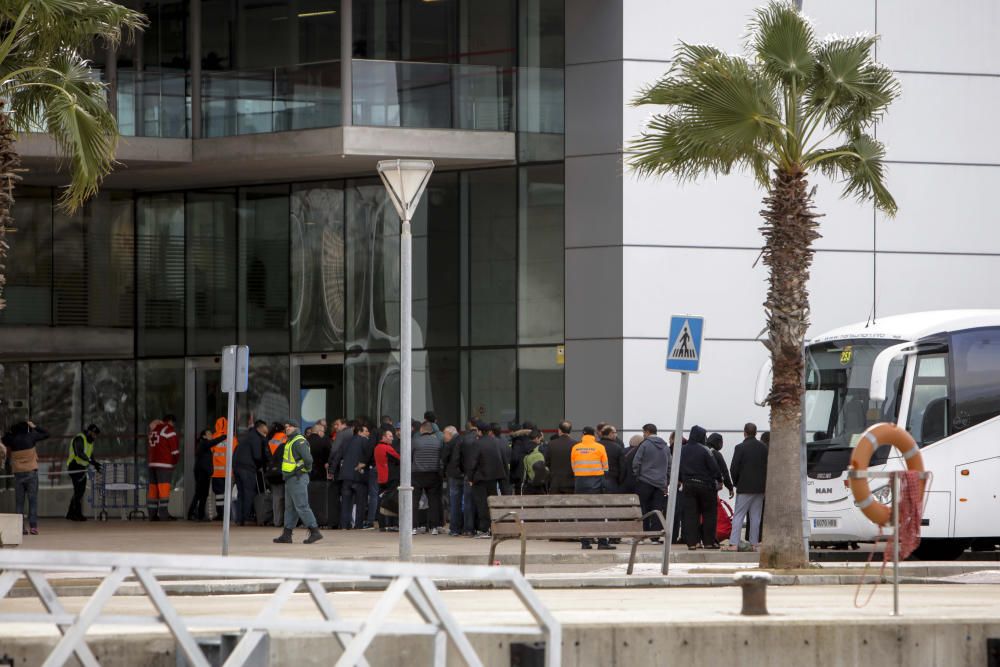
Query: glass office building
247, 211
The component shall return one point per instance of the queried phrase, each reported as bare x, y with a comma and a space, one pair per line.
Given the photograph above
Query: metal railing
415, 582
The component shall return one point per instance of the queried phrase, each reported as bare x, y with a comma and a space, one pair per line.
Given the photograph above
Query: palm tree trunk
789, 231
10, 163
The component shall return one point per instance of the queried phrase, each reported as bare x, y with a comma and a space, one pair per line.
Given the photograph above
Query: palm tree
46, 85
793, 104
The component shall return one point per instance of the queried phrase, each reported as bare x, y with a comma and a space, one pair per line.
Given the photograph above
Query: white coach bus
936, 374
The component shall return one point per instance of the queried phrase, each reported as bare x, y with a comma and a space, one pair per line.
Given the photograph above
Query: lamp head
405, 181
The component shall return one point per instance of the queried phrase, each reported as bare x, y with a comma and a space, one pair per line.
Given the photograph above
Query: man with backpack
535, 476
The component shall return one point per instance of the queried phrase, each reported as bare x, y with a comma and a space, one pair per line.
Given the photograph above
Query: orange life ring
881, 434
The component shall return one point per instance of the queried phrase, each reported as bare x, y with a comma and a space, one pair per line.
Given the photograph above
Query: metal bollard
754, 585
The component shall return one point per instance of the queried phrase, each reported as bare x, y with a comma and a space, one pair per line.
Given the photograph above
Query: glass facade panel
267, 395
436, 385
14, 399
317, 267
372, 267
435, 264
56, 406
540, 286
109, 402
160, 274
371, 381
491, 197
540, 385
28, 291
540, 94
93, 280
263, 268
211, 288
406, 30
493, 385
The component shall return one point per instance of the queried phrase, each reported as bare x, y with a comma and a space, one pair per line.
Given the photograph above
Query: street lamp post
405, 181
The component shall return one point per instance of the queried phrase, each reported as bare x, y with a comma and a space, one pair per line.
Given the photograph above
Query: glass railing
385, 94
432, 95
153, 103
270, 100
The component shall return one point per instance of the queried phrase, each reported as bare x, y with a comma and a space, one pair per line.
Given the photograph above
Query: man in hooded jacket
700, 476
651, 467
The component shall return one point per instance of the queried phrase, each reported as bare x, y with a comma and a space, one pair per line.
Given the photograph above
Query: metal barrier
412, 581
117, 485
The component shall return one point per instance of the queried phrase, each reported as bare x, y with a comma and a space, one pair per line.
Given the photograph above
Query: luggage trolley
118, 486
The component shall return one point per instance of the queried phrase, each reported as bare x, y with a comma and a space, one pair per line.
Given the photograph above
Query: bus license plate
825, 523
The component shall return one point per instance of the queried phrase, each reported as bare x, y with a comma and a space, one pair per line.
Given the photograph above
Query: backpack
272, 469
536, 475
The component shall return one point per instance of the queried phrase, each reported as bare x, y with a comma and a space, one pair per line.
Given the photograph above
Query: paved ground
801, 604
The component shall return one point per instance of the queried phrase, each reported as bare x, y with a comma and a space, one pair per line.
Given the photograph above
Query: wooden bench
569, 517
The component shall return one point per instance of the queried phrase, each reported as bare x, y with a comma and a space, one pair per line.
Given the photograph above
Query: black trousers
480, 492
590, 485
429, 483
78, 475
202, 480
353, 494
650, 498
700, 513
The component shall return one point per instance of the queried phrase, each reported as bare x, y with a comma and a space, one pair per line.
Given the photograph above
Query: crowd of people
345, 475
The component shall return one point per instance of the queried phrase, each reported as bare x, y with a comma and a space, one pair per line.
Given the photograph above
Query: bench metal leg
493, 550
524, 547
631, 557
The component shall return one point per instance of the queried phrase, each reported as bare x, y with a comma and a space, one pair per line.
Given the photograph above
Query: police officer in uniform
296, 462
81, 456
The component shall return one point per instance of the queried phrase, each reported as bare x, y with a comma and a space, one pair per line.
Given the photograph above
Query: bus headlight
883, 494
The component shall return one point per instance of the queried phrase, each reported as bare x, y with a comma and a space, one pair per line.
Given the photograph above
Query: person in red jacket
164, 452
387, 469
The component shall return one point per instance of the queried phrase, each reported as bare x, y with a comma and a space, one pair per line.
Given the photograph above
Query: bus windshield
838, 379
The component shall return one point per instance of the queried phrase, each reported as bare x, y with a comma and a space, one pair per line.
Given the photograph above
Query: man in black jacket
248, 457
749, 471
451, 466
467, 447
557, 460
348, 466
615, 477
520, 446
700, 476
489, 468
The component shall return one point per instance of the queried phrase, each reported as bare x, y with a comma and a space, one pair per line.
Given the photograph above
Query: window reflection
492, 385
371, 382
160, 261
318, 295
540, 385
28, 291
492, 224
263, 268
109, 402
372, 267
211, 271
540, 256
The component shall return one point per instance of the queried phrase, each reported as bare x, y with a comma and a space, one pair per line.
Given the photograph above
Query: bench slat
582, 500
569, 528
566, 513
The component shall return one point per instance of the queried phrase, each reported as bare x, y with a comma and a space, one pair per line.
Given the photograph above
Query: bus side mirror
880, 369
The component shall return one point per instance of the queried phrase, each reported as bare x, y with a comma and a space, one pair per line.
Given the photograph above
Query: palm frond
723, 114
783, 41
72, 104
849, 87
860, 165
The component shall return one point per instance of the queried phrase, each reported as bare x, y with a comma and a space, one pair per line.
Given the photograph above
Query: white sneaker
414, 532
435, 531
422, 530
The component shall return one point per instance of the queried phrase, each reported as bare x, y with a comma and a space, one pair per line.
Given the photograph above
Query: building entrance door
204, 402
317, 387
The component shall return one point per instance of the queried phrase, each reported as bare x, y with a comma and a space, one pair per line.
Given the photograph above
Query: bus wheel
940, 549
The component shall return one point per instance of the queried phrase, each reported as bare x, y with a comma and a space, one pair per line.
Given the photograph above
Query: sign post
684, 357
235, 379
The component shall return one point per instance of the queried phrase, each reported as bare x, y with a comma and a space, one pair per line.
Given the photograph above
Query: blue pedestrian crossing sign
684, 347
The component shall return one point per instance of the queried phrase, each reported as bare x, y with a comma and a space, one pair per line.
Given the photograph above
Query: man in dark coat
749, 472
467, 448
557, 460
700, 476
490, 467
348, 466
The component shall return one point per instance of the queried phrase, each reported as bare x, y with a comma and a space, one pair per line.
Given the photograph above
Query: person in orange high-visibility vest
589, 460
272, 473
219, 465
